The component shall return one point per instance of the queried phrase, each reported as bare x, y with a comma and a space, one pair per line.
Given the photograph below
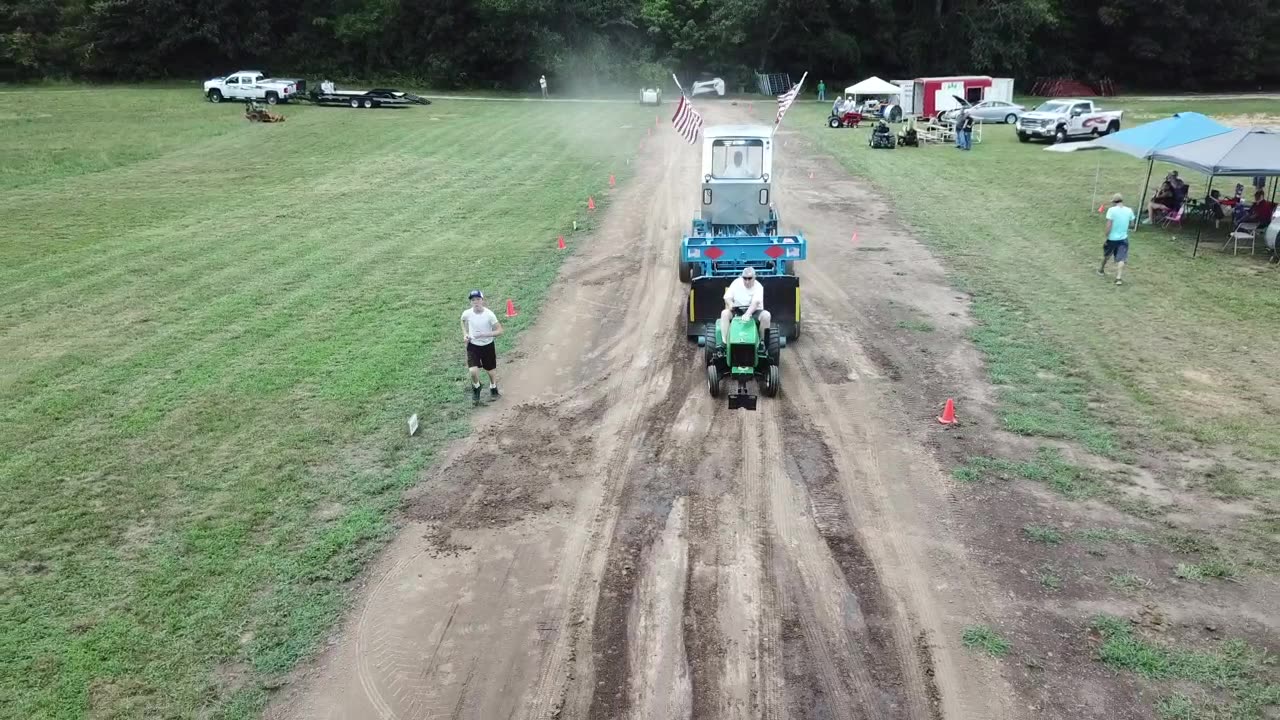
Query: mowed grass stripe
221, 472
215, 207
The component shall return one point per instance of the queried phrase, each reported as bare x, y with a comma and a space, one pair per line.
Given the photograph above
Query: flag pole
797, 87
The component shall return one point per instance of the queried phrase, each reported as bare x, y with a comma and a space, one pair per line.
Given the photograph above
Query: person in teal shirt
822, 91
1119, 218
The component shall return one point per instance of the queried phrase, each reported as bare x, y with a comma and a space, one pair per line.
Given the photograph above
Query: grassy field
211, 334
1171, 375
1178, 358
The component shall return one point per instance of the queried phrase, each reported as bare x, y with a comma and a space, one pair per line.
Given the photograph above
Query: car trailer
378, 97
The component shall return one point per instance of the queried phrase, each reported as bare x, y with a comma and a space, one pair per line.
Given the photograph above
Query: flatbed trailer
378, 97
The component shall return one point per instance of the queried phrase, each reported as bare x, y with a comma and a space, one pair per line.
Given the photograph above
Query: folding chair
1170, 219
1243, 231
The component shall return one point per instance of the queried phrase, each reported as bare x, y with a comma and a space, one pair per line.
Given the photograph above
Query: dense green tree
595, 44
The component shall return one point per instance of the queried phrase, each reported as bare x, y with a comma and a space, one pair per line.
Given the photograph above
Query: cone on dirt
810, 174
854, 239
1100, 207
948, 413
591, 203
511, 308
560, 243
612, 180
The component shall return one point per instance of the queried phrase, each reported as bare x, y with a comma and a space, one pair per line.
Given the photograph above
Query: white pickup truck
1064, 119
253, 85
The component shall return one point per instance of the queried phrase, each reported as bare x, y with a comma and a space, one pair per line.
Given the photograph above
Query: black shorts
1118, 248
482, 356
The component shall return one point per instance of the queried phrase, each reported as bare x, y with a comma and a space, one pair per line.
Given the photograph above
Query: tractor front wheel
709, 344
773, 381
713, 381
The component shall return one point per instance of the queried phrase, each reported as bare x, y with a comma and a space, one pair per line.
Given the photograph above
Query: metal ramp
774, 84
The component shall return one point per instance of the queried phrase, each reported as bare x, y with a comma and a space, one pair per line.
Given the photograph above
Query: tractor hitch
742, 399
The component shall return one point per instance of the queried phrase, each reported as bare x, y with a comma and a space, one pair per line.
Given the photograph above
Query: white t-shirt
740, 296
482, 322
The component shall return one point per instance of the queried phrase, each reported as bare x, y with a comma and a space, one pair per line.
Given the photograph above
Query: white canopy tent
873, 86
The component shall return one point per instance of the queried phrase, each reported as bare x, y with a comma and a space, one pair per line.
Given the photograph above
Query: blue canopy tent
1251, 152
1144, 141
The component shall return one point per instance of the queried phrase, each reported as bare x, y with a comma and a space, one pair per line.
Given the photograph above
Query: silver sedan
990, 111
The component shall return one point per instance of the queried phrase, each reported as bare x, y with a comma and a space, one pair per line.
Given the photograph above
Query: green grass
1073, 356
981, 637
1127, 582
211, 334
1233, 667
1212, 568
1047, 466
916, 325
1048, 577
1042, 534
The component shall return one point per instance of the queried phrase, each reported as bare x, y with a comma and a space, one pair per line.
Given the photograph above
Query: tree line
586, 45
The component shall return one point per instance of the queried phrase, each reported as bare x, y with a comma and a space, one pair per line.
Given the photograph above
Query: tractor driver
744, 292
737, 169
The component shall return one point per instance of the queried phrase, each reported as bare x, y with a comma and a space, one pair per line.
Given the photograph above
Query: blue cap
475, 294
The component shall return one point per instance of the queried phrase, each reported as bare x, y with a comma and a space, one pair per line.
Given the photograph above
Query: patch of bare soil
614, 543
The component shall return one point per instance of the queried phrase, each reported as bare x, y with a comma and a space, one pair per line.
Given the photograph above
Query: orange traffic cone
949, 413
612, 180
511, 308
591, 203
560, 243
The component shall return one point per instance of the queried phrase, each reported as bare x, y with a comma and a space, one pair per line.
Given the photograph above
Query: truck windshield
737, 159
1052, 107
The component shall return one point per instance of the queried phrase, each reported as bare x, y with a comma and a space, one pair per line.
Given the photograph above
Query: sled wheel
686, 272
773, 381
713, 381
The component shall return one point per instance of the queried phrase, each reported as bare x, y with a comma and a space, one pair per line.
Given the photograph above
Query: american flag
687, 121
785, 100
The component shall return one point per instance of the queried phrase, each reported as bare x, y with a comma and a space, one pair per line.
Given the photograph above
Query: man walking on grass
1119, 217
479, 327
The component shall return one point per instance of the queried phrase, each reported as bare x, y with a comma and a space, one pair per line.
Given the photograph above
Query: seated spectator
1261, 210
1165, 201
1213, 207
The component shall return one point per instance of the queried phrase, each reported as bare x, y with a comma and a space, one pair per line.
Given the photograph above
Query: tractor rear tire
709, 344
713, 381
773, 381
833, 123
773, 346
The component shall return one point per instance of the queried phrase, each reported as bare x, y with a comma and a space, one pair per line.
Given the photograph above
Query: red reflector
773, 251
714, 253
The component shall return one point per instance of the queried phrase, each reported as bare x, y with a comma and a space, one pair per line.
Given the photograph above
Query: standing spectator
966, 129
542, 81
1119, 217
822, 91
479, 327
959, 128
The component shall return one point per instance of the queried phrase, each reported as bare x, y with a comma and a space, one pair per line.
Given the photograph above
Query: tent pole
1200, 228
1096, 174
1143, 205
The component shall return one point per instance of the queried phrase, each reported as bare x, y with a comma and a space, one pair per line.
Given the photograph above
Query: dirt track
614, 543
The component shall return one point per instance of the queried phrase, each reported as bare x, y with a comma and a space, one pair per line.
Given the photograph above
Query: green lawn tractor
745, 358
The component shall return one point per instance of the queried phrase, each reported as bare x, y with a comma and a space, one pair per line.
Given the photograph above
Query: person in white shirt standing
744, 292
542, 81
479, 327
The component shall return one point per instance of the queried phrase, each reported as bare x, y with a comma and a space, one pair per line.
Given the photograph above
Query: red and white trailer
926, 97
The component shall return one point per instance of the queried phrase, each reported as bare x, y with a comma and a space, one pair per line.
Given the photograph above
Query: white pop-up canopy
873, 86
